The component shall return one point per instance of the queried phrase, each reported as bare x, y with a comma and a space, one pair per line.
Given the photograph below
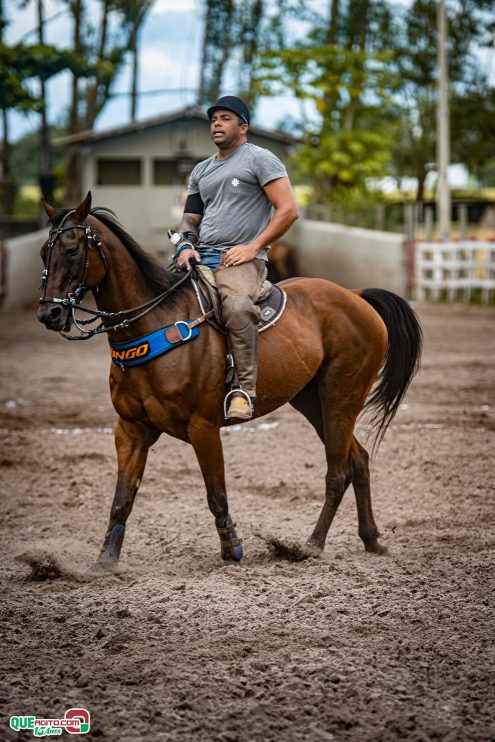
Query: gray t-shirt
236, 207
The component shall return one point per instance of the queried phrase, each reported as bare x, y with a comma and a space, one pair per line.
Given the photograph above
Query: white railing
455, 271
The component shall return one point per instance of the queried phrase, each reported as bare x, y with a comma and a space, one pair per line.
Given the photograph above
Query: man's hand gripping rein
185, 253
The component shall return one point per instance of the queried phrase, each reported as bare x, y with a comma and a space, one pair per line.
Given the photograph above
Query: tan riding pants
239, 287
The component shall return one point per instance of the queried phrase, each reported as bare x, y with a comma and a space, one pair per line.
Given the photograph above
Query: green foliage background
363, 71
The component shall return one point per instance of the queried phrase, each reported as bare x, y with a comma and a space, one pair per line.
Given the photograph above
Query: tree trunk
92, 104
421, 176
251, 15
200, 98
361, 34
133, 48
326, 184
329, 100
217, 47
332, 25
47, 181
74, 170
6, 182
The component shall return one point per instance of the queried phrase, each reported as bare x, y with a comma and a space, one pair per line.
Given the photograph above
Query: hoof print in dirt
43, 567
291, 551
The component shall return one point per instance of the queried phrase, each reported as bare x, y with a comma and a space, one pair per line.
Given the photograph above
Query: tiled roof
190, 112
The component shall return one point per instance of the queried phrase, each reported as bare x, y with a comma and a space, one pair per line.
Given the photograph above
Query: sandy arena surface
175, 646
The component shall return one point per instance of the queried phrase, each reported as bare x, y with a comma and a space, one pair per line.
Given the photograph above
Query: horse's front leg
132, 441
207, 444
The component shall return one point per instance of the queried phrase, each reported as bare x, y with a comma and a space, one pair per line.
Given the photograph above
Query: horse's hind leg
132, 441
338, 425
356, 471
207, 444
340, 472
368, 531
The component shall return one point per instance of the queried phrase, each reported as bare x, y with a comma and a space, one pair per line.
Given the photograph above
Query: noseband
73, 298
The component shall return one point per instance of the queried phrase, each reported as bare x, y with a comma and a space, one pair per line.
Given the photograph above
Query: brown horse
323, 357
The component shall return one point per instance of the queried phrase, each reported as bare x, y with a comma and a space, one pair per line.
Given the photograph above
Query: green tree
342, 69
107, 55
470, 25
235, 33
367, 73
19, 65
25, 152
134, 13
105, 44
474, 131
217, 40
6, 189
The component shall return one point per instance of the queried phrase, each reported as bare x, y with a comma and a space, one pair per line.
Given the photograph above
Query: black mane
157, 277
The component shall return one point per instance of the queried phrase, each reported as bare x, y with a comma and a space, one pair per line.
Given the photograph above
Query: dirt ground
176, 646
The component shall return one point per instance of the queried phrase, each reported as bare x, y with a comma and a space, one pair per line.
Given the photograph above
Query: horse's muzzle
55, 317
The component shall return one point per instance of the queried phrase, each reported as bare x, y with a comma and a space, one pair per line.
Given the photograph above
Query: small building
140, 170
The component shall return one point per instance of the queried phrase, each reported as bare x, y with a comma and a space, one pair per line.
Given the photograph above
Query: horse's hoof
237, 553
233, 554
376, 548
104, 565
312, 549
230, 544
108, 561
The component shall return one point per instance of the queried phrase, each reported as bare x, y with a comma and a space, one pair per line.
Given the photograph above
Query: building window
171, 172
118, 172
165, 172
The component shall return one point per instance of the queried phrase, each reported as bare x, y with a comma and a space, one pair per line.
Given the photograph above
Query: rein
71, 299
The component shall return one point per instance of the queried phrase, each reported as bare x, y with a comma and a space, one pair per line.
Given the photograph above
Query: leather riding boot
239, 408
244, 346
239, 288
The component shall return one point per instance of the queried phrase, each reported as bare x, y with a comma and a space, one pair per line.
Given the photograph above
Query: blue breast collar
155, 344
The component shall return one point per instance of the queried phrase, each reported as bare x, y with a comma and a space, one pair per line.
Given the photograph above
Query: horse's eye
72, 251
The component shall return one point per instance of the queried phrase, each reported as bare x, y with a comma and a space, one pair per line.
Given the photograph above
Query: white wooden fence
455, 271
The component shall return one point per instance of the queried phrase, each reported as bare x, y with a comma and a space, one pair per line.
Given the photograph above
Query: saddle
271, 300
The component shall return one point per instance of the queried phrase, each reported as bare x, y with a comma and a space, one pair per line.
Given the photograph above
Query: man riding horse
228, 225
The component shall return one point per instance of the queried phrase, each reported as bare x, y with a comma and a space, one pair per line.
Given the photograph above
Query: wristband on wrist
177, 237
184, 246
191, 237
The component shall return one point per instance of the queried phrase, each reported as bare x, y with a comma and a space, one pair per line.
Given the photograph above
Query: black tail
402, 360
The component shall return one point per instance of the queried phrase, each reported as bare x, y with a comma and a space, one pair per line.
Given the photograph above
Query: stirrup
231, 394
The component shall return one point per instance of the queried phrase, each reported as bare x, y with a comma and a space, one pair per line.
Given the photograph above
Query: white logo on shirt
235, 182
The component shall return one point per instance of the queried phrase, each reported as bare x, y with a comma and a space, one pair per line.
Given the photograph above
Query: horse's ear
50, 211
84, 208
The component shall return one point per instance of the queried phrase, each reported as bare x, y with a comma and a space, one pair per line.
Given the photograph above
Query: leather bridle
91, 238
73, 298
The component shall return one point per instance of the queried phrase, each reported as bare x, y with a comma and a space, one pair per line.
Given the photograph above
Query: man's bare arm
190, 223
282, 199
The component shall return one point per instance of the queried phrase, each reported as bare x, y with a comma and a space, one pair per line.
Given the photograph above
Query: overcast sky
170, 51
